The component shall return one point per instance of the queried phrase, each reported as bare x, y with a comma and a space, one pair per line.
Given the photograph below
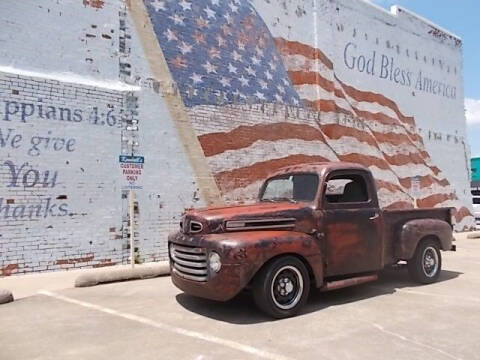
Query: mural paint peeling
245, 64
97, 4
215, 94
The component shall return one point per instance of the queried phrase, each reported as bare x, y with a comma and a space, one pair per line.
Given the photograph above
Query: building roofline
395, 10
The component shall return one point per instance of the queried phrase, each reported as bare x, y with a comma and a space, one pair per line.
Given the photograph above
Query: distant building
475, 165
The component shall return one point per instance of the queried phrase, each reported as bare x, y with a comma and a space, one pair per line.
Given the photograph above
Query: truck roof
318, 167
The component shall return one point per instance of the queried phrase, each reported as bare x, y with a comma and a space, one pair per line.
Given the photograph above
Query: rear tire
426, 264
281, 287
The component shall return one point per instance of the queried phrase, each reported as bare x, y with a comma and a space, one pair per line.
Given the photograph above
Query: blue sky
462, 18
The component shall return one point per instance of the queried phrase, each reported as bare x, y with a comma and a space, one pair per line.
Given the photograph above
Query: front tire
426, 264
281, 287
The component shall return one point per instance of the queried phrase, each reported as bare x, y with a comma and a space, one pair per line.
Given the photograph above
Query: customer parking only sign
132, 168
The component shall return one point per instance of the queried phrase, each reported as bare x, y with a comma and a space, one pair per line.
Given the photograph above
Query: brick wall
58, 142
82, 82
73, 97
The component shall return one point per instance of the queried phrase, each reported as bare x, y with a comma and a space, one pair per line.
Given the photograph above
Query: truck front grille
189, 262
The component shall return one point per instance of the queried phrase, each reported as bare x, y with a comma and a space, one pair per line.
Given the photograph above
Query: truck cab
314, 225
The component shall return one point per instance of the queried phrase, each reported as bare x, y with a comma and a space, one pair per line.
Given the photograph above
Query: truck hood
259, 216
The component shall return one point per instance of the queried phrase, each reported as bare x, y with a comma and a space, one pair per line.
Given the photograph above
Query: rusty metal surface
353, 242
339, 284
394, 221
221, 288
333, 239
243, 254
415, 230
352, 230
213, 219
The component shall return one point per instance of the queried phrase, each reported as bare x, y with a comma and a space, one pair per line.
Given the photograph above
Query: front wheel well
299, 257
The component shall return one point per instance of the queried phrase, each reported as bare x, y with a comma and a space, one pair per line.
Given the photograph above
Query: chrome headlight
214, 262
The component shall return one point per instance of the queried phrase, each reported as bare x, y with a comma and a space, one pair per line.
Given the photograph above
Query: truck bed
393, 221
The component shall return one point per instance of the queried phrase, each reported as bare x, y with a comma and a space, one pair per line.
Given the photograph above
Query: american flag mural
258, 103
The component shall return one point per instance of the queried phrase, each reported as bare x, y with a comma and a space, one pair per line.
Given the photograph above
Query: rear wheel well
431, 237
299, 257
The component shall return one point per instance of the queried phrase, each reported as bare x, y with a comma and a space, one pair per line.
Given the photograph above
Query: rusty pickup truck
313, 225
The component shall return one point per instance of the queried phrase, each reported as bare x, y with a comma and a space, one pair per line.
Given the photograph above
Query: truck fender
270, 245
414, 231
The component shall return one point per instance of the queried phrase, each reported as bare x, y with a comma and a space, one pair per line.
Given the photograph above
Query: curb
137, 273
5, 296
475, 235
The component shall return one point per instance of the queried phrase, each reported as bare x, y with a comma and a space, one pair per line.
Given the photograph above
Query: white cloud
472, 111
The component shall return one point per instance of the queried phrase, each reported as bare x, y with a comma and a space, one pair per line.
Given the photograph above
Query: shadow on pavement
241, 310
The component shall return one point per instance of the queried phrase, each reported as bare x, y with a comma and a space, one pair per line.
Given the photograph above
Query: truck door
351, 223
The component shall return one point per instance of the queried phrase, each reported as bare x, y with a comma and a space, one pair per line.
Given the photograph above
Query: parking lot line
177, 330
453, 297
391, 333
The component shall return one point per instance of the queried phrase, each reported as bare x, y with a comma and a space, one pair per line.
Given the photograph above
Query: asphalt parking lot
150, 319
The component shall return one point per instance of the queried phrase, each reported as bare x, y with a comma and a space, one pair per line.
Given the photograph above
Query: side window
346, 189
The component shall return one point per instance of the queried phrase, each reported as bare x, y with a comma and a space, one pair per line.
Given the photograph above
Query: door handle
374, 216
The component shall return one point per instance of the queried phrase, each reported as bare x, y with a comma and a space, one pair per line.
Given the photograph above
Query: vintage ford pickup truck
314, 224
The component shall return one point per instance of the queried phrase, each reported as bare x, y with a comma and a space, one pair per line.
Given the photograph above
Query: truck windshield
290, 187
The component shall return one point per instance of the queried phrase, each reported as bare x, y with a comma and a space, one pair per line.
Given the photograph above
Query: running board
338, 284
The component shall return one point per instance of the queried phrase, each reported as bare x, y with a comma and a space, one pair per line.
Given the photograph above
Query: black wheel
281, 287
426, 264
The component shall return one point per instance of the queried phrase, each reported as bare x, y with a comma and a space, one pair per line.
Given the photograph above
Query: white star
241, 45
273, 66
225, 82
285, 81
209, 68
258, 51
255, 60
170, 35
236, 56
210, 12
237, 94
214, 2
268, 75
196, 78
228, 17
177, 19
243, 80
281, 89
250, 70
185, 48
263, 84
259, 95
191, 92
295, 101
185, 5
220, 95
226, 30
278, 98
233, 7
158, 5
232, 69
220, 40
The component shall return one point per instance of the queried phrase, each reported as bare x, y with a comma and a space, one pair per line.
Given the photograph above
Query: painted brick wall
66, 107
84, 81
57, 141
